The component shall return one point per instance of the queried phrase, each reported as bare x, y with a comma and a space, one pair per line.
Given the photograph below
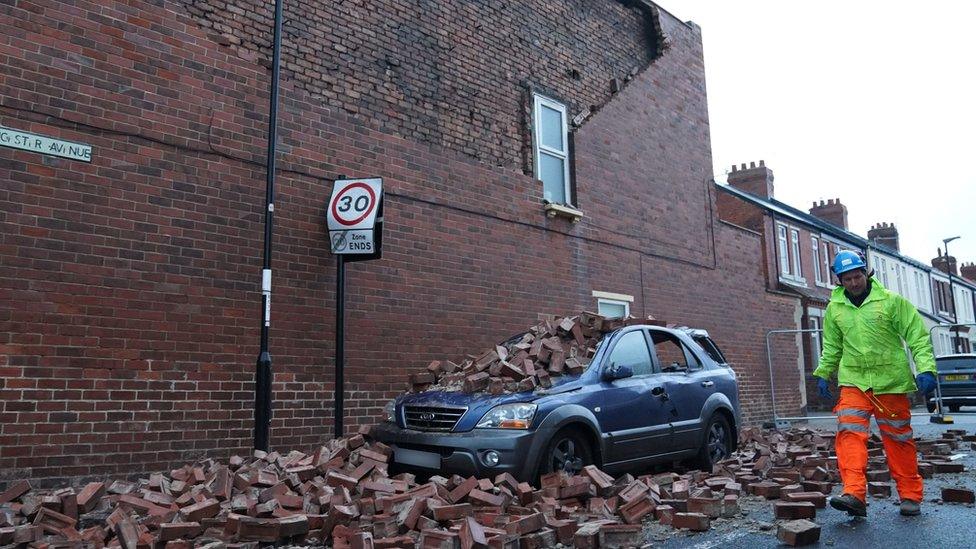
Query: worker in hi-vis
863, 330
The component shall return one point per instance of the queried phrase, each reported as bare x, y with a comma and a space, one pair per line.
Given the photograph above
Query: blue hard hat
847, 260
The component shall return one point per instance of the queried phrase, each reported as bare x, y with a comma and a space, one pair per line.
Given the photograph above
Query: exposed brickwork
454, 74
130, 287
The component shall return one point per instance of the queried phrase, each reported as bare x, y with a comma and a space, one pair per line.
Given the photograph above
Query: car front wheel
716, 445
568, 451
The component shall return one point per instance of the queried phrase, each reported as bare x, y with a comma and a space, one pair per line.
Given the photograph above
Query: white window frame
816, 340
797, 269
610, 298
784, 249
538, 148
826, 262
817, 270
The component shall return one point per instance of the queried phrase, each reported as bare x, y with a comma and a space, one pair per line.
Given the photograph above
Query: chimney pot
752, 165
734, 168
762, 162
743, 165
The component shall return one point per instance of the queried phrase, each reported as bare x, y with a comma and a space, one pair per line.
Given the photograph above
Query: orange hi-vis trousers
893, 414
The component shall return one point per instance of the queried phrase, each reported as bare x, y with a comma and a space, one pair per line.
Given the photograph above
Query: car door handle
707, 383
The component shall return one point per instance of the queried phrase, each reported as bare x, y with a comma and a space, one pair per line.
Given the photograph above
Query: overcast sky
871, 102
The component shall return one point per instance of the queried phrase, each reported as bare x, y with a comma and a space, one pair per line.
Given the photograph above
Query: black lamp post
952, 296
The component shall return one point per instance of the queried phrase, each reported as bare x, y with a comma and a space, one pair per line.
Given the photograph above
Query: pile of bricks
554, 347
342, 495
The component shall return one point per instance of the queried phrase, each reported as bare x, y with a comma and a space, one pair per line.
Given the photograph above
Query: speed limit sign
354, 204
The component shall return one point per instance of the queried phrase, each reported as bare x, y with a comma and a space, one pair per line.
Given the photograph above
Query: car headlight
389, 411
508, 416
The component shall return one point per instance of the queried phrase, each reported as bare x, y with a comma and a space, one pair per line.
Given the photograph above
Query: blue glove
824, 388
925, 382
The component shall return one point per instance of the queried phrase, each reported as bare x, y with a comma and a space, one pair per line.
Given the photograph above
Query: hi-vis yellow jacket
863, 345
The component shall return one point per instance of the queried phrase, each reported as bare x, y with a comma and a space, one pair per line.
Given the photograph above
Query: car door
638, 423
688, 384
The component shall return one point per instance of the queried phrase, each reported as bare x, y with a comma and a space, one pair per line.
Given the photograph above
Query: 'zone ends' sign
352, 215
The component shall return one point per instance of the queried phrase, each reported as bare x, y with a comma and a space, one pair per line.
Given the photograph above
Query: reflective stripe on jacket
863, 345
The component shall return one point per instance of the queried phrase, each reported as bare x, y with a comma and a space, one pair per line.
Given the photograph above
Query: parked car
650, 395
957, 381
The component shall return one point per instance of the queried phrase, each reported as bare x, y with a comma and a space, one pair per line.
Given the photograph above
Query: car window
672, 354
956, 363
631, 350
711, 348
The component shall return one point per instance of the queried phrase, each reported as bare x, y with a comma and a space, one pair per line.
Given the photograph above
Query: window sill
793, 279
563, 210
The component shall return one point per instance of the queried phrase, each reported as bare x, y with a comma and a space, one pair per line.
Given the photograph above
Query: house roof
785, 210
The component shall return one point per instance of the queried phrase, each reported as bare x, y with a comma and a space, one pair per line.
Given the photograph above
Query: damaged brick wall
130, 310
451, 74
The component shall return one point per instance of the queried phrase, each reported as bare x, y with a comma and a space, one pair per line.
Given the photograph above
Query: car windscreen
955, 363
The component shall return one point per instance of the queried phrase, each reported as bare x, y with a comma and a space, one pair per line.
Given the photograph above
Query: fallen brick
958, 495
695, 522
14, 491
794, 510
818, 499
798, 532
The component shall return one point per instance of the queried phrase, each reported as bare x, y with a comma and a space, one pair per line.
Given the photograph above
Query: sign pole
340, 350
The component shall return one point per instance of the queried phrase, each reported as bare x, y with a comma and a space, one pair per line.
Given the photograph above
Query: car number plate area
955, 377
417, 458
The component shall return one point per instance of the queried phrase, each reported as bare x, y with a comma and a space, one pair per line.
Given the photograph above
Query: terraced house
537, 157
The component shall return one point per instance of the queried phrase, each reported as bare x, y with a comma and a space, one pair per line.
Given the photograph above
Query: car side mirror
616, 371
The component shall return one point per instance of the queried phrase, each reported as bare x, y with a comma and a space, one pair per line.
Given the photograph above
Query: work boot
851, 505
910, 508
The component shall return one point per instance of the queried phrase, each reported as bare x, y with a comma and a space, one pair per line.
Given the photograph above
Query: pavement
943, 526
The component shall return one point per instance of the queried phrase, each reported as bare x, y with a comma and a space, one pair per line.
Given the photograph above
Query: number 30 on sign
354, 204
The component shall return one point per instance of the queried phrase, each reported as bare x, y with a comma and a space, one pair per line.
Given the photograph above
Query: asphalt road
942, 526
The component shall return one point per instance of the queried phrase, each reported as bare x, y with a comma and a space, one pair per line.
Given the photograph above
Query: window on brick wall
784, 250
942, 297
611, 308
613, 305
826, 263
797, 269
818, 272
815, 341
788, 245
551, 147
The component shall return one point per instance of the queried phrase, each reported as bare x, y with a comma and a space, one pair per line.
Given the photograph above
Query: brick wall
131, 285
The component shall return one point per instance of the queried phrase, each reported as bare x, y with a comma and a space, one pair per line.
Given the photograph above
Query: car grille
432, 418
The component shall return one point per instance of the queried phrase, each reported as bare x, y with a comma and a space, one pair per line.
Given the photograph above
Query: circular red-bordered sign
365, 214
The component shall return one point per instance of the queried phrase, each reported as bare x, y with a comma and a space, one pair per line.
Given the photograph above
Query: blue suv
650, 395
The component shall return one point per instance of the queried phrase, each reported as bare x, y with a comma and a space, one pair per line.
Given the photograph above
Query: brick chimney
832, 212
757, 180
968, 271
884, 235
945, 263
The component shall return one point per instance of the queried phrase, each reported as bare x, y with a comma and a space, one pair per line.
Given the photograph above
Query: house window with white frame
815, 340
817, 267
613, 305
826, 262
796, 269
784, 250
551, 147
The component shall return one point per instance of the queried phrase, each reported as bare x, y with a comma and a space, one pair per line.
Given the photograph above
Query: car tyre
954, 408
568, 450
716, 444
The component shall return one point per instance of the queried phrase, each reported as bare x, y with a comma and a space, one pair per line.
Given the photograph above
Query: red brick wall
131, 286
